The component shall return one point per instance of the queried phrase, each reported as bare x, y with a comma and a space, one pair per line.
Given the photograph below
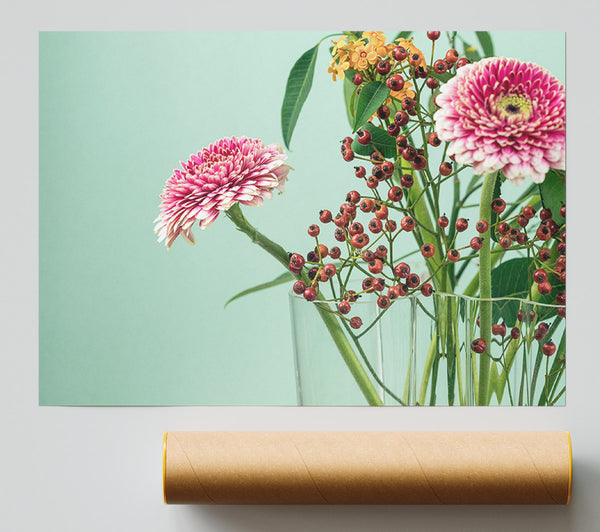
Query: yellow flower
377, 40
362, 56
338, 70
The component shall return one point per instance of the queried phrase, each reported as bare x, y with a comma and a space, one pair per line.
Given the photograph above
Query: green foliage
296, 91
379, 139
553, 194
285, 277
371, 97
486, 43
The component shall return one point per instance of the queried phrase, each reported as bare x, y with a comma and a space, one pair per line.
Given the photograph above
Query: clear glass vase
418, 352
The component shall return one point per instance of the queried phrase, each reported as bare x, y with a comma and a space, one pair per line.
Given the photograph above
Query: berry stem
330, 320
485, 287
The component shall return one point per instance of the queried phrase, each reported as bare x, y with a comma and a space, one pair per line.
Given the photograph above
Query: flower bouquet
418, 295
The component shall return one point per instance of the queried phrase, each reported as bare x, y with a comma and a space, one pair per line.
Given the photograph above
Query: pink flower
502, 114
230, 170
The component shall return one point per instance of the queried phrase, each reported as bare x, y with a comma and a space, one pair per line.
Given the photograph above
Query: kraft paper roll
367, 467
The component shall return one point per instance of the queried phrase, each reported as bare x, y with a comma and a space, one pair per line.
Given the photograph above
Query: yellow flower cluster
367, 51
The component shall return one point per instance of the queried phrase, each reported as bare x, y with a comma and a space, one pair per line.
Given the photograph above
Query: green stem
485, 287
329, 319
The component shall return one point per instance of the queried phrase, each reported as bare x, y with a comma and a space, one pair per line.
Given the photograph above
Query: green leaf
379, 139
471, 52
509, 279
283, 278
402, 35
371, 97
350, 97
497, 194
553, 192
487, 45
296, 91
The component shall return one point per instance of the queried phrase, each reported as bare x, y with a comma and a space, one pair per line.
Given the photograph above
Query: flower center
514, 105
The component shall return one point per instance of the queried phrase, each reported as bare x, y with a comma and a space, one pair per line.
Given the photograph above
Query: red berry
515, 333
329, 270
481, 226
353, 197
381, 252
413, 280
341, 220
440, 66
379, 284
561, 298
359, 241
407, 223
395, 193
522, 220
549, 348
543, 233
409, 153
356, 228
321, 251
325, 216
381, 211
499, 329
355, 322
427, 289
453, 255
433, 35
461, 224
363, 137
476, 243
544, 288
335, 252
368, 284
562, 312
462, 62
414, 59
503, 228
366, 205
406, 180
401, 118
432, 83
545, 214
563, 211
446, 168
383, 301
375, 226
394, 292
348, 155
313, 230
367, 255
388, 168
419, 162
539, 276
402, 270
528, 212
433, 139
339, 234
393, 129
299, 287
372, 182
505, 242
376, 266
310, 294
383, 67
498, 205
399, 53
359, 171
428, 250
451, 56
443, 221
544, 254
344, 307
390, 225
479, 345
296, 261
395, 82
357, 79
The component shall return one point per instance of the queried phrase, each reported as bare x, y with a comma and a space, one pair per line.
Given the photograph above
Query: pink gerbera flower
230, 170
502, 114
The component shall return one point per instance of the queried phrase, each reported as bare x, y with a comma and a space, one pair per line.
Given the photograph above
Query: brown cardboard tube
367, 467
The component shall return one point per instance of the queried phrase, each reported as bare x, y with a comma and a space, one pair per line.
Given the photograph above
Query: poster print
406, 192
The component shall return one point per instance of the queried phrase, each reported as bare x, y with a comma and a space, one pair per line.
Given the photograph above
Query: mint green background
123, 321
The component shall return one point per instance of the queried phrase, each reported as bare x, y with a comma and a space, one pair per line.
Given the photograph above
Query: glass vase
418, 352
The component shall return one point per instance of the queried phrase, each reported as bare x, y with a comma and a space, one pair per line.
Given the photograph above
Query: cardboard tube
367, 467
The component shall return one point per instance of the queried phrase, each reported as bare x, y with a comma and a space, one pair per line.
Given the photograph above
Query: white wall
97, 469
